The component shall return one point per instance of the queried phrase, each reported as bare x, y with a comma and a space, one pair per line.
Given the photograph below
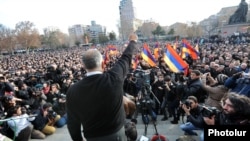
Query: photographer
194, 115
129, 85
236, 111
159, 89
170, 101
216, 90
37, 97
239, 83
57, 99
46, 119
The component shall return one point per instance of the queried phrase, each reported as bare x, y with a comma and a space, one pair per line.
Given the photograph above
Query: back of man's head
92, 59
131, 131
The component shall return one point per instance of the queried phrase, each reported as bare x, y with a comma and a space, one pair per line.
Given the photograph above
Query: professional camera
187, 103
52, 114
62, 96
180, 111
209, 111
142, 76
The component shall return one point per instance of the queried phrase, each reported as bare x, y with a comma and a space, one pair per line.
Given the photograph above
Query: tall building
94, 30
76, 33
49, 29
127, 18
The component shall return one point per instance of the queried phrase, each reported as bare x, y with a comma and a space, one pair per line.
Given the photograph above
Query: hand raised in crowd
237, 75
204, 76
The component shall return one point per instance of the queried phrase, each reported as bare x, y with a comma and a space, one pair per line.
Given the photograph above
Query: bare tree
27, 36
147, 28
194, 30
55, 39
7, 39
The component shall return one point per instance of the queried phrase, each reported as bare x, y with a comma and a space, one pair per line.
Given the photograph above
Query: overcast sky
65, 13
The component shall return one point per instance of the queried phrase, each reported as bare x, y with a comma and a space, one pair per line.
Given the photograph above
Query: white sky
65, 13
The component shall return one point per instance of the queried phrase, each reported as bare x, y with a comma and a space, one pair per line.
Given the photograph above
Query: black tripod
145, 105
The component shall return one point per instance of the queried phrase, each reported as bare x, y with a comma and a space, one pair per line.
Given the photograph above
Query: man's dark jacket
96, 102
194, 88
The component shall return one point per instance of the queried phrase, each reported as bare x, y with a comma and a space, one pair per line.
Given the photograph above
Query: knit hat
221, 78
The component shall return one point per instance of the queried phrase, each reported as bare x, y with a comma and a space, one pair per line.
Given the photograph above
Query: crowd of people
47, 87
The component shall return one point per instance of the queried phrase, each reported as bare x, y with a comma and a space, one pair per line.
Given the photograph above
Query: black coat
40, 121
96, 102
194, 88
196, 117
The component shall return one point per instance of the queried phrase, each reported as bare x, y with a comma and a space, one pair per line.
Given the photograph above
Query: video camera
186, 102
143, 77
180, 111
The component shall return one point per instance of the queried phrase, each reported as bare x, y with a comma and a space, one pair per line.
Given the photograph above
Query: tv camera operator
146, 104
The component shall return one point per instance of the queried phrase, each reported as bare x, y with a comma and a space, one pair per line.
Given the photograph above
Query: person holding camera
96, 101
236, 111
170, 101
45, 119
37, 97
129, 85
159, 89
194, 115
239, 83
216, 89
57, 99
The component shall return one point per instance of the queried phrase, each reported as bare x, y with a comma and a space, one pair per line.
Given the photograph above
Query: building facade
85, 33
127, 19
76, 33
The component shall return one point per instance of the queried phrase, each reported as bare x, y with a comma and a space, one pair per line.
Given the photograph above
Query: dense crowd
34, 85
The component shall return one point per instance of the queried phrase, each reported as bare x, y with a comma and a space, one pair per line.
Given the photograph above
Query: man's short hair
47, 105
131, 131
193, 98
92, 59
196, 72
